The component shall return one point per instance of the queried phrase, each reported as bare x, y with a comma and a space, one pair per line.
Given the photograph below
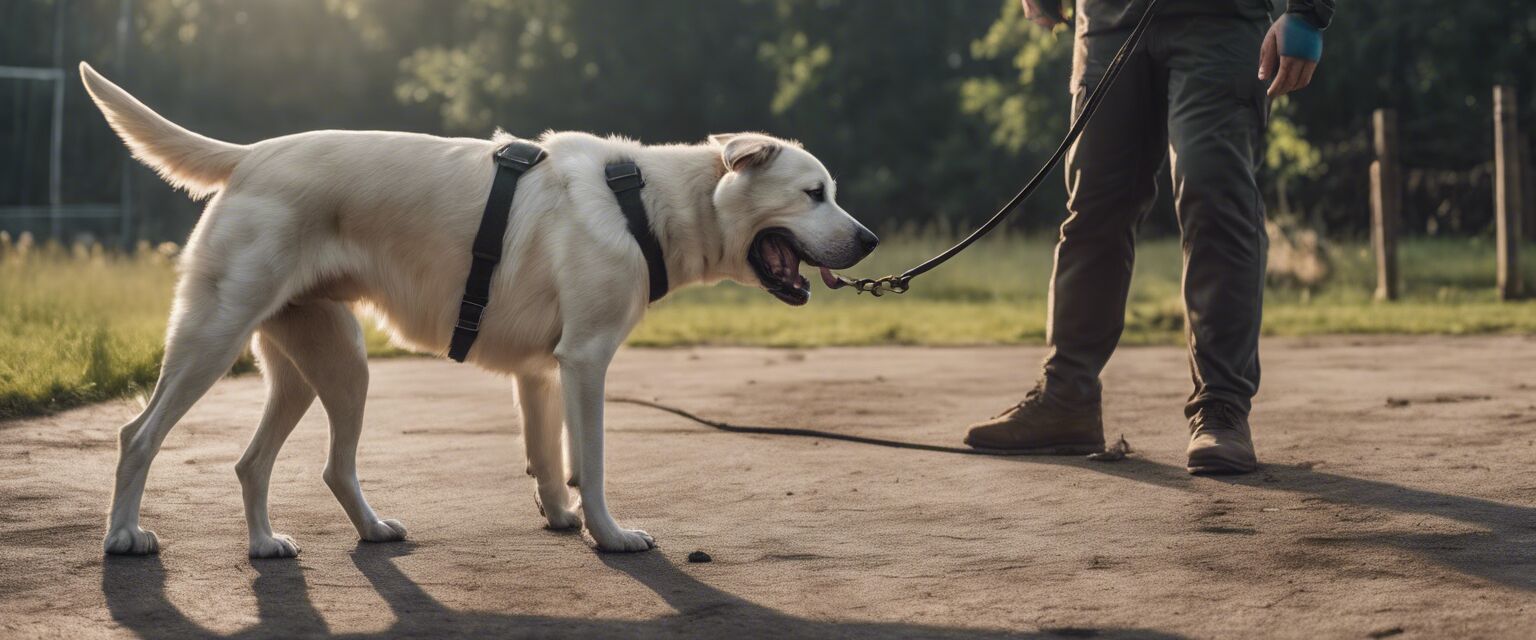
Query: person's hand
1289, 55
1044, 17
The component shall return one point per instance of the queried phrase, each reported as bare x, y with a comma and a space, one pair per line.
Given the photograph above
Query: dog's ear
741, 151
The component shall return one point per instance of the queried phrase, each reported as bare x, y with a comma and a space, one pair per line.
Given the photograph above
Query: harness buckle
470, 314
520, 155
623, 176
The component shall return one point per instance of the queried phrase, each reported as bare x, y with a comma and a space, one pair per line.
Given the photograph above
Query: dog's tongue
828, 279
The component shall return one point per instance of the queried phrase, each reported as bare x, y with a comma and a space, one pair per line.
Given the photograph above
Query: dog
301, 228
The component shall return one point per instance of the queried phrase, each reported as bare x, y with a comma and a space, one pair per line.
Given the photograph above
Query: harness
625, 180
512, 161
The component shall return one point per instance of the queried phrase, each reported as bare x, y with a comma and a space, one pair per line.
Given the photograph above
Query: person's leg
1111, 178
1111, 182
1216, 123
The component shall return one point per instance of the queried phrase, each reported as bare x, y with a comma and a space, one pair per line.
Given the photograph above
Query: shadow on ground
135, 594
135, 587
1505, 553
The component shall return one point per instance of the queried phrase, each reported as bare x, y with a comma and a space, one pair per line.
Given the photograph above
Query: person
1189, 93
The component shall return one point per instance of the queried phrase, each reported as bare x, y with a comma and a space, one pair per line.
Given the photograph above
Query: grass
83, 325
995, 293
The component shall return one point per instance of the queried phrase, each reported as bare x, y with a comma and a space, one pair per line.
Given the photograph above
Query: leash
903, 283
804, 433
1115, 452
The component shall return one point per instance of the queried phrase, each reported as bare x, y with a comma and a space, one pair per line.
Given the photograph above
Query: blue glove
1299, 38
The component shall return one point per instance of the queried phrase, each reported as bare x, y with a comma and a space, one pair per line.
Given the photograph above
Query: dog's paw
561, 519
383, 531
276, 546
623, 541
131, 541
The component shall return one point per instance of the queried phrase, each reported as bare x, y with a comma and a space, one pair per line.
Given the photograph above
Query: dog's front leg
583, 367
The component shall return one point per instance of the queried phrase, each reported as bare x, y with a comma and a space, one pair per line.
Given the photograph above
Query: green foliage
798, 64
928, 111
1036, 100
1289, 154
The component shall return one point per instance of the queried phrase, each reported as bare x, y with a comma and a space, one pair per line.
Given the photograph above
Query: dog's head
777, 209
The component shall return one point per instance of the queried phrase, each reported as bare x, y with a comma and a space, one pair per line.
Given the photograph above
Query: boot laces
1032, 396
1217, 415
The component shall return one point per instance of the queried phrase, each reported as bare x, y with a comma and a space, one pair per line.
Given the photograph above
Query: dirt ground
1398, 499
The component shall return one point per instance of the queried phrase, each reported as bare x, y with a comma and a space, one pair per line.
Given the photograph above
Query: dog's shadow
135, 588
135, 591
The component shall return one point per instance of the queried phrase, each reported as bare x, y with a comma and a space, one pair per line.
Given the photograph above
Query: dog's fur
301, 227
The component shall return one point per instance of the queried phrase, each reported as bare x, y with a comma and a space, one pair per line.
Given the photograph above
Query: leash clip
876, 286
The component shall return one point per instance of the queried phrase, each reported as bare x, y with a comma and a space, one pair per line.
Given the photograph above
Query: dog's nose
868, 240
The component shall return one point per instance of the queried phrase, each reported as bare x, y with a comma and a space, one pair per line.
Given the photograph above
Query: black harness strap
512, 161
625, 180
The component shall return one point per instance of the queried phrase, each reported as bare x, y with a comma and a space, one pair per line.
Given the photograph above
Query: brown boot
1220, 442
1040, 425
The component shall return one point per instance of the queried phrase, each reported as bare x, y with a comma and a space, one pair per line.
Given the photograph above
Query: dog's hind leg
218, 305
541, 402
572, 457
288, 398
326, 343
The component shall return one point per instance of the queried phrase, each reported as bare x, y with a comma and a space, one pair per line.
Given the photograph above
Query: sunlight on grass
996, 292
83, 325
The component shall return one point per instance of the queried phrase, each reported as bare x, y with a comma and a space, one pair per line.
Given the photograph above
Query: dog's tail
186, 160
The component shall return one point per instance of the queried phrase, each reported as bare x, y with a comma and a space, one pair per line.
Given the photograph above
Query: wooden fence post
1386, 203
1508, 177
1528, 189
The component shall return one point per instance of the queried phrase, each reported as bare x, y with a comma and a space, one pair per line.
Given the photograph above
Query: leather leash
902, 283
1114, 453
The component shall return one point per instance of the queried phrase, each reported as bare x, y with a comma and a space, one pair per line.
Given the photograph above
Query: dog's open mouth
776, 258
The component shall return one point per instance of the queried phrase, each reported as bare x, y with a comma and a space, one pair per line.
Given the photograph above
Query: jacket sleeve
1317, 12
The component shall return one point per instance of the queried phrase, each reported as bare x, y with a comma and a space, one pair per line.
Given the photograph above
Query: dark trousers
1190, 93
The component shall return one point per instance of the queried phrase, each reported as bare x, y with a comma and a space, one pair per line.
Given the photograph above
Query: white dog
304, 225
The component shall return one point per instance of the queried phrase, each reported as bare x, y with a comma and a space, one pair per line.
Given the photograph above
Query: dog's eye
819, 194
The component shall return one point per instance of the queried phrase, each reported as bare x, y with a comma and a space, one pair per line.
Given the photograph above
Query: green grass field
80, 326
995, 293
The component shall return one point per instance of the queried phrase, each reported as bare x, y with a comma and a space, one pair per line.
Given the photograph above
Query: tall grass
80, 325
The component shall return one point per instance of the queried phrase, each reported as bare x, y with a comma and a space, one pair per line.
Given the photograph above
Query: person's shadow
136, 598
1504, 553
